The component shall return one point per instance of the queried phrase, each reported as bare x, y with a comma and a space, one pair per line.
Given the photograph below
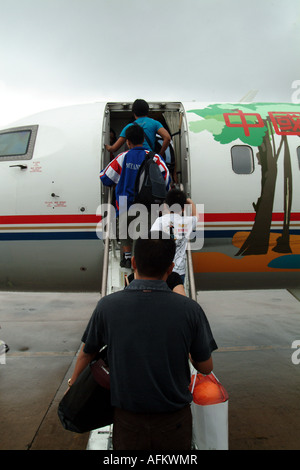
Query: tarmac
254, 331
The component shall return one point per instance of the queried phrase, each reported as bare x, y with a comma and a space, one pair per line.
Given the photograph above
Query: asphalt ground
254, 331
43, 332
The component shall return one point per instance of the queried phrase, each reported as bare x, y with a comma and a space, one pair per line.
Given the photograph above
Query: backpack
150, 187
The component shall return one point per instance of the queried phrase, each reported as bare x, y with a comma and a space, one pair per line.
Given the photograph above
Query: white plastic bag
210, 413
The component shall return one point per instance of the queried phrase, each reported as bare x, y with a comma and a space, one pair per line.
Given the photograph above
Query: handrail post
193, 292
106, 246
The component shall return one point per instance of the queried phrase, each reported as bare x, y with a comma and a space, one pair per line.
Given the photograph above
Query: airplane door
16, 149
62, 177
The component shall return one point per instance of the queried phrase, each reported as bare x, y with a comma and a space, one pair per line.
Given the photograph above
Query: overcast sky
60, 52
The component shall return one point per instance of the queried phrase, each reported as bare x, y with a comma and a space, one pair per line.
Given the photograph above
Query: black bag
150, 186
86, 405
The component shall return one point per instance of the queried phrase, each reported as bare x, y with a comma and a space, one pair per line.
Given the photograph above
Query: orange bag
207, 390
210, 413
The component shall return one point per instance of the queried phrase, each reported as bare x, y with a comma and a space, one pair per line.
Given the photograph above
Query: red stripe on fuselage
93, 218
50, 219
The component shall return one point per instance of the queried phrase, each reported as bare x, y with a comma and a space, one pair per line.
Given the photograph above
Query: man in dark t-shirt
150, 332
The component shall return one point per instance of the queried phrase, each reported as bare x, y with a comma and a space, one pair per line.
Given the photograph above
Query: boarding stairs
113, 280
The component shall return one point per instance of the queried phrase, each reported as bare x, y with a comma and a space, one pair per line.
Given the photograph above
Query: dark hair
140, 108
176, 196
154, 255
135, 134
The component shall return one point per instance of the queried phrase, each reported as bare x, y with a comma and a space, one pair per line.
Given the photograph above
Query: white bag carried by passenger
210, 413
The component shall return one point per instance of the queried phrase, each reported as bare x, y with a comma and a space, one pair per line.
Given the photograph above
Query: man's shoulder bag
87, 404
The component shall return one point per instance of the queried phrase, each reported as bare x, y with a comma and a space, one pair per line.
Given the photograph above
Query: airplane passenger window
298, 155
17, 143
242, 159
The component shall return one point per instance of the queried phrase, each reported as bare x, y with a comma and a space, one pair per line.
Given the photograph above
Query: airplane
240, 160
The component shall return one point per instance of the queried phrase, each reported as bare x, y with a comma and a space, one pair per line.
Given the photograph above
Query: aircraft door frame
105, 155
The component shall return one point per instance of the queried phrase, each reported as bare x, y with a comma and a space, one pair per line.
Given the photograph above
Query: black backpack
150, 187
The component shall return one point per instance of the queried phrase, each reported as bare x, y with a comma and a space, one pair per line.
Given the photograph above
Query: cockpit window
17, 143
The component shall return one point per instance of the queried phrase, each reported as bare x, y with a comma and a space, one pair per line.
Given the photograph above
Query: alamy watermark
295, 98
3, 350
136, 222
296, 354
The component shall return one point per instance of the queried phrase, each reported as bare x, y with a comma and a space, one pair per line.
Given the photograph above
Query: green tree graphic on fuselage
251, 124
